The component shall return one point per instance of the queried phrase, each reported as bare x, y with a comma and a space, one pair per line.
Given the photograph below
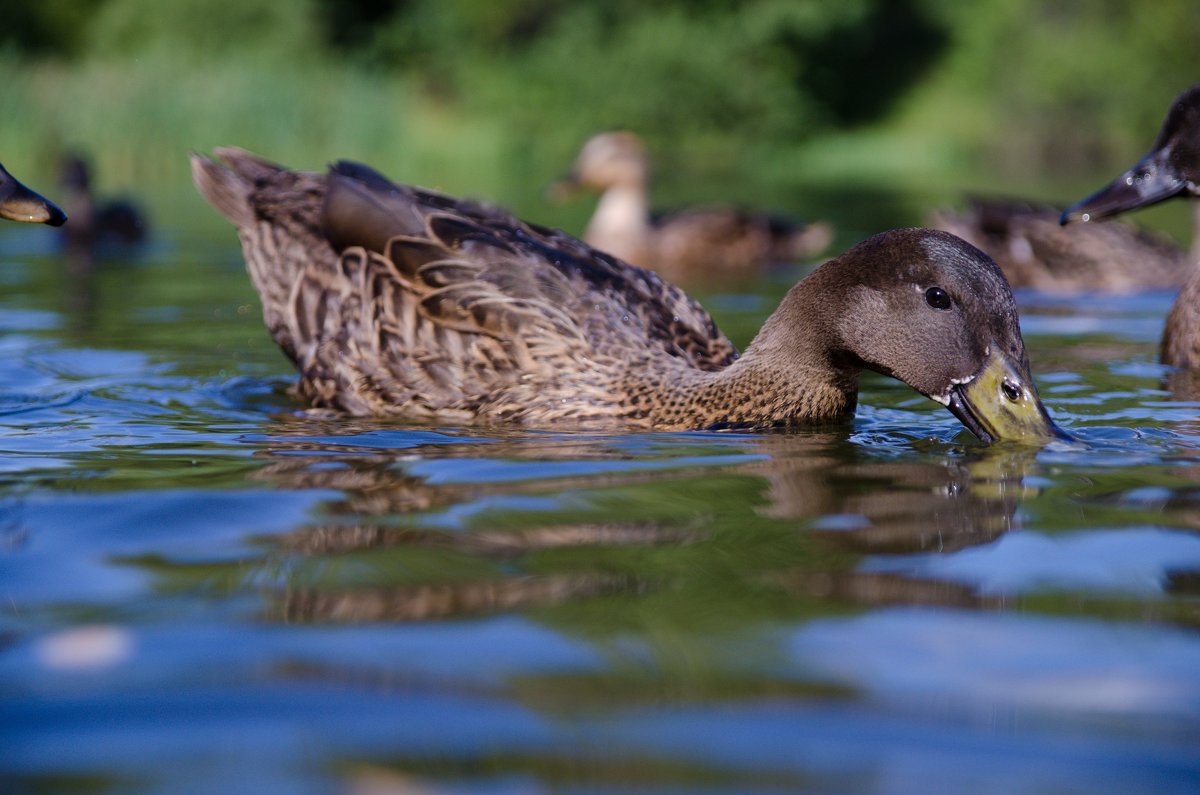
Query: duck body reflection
812, 519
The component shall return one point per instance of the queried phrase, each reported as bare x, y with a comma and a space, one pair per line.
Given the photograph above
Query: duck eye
1010, 390
937, 298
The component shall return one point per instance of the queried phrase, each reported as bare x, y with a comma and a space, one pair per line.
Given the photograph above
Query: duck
1036, 252
99, 226
1171, 168
19, 203
394, 300
710, 243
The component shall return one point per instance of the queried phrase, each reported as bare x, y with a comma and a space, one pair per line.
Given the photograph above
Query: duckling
19, 203
1171, 168
700, 243
394, 300
1035, 251
98, 226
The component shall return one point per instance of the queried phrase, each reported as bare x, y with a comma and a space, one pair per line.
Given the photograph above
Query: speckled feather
460, 315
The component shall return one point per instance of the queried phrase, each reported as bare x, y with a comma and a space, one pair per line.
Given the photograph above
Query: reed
138, 119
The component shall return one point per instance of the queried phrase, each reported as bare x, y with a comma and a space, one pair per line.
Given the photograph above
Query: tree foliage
1016, 84
773, 68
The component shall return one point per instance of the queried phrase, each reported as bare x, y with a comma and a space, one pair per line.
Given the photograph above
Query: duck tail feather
224, 188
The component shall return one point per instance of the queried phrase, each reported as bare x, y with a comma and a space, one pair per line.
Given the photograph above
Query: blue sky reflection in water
199, 584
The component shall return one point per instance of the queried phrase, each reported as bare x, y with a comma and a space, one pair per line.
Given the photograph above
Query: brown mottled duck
1035, 251
19, 203
393, 300
713, 242
1172, 168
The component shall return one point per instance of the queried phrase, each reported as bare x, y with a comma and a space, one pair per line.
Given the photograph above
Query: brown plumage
392, 300
713, 242
1172, 168
1035, 251
19, 203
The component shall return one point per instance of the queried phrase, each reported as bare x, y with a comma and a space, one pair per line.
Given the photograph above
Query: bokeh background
863, 111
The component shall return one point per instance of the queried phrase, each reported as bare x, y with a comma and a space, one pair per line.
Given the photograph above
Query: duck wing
397, 300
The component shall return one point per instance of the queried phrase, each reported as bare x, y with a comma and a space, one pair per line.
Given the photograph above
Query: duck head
1171, 168
606, 160
19, 203
74, 173
935, 312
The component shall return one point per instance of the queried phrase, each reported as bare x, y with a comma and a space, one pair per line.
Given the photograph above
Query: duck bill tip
1001, 404
1073, 213
57, 217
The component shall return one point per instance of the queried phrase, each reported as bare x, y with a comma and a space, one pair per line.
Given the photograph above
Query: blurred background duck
98, 227
19, 203
712, 242
1170, 169
1034, 250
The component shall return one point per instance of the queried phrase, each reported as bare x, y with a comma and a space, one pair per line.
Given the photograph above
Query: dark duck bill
1168, 170
19, 203
1151, 180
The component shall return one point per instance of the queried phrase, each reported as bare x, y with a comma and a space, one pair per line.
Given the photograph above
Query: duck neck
621, 223
1194, 252
791, 373
77, 202
1180, 345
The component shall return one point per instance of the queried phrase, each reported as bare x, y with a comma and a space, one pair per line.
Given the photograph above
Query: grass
138, 120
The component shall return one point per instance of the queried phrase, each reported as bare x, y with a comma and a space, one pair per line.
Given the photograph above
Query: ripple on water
1127, 561
1027, 662
200, 581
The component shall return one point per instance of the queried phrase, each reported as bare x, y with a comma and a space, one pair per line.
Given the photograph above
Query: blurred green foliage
1063, 85
492, 97
195, 32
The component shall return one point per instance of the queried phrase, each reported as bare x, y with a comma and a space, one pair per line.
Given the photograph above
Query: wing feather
404, 301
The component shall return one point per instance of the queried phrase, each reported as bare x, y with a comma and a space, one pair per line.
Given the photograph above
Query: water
203, 590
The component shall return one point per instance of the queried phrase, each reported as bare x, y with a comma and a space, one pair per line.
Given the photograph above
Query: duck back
396, 300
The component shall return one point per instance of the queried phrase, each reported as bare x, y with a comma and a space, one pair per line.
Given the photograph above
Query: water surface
204, 589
